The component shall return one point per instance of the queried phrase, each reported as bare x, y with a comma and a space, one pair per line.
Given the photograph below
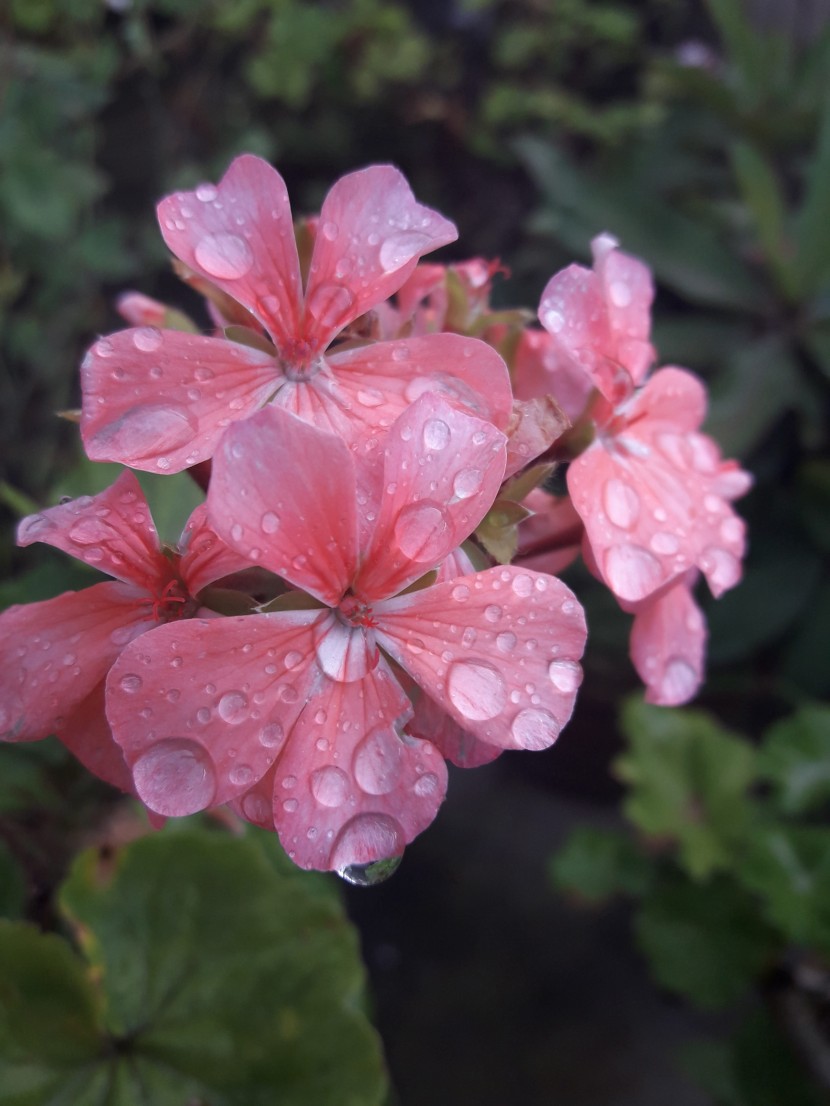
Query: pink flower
55, 654
668, 643
161, 399
298, 715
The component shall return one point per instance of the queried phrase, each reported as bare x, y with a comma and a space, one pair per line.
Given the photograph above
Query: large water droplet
421, 532
476, 689
436, 434
206, 193
330, 304
506, 642
721, 568
365, 839
369, 875
400, 248
146, 431
271, 736
466, 483
566, 676
679, 681
426, 785
378, 761
226, 256
233, 707
330, 785
241, 775
621, 503
553, 320
147, 338
632, 572
175, 777
522, 585
534, 729
257, 808
620, 293
270, 523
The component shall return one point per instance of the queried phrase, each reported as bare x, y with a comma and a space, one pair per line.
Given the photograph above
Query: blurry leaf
596, 864
808, 646
789, 867
813, 257
688, 780
210, 978
684, 253
172, 500
795, 757
757, 1067
780, 577
12, 884
762, 195
30, 777
703, 940
814, 500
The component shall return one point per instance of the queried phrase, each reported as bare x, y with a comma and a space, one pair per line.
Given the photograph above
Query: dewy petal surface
283, 494
239, 236
348, 789
371, 233
159, 400
498, 651
202, 708
205, 558
111, 531
668, 644
53, 653
87, 735
442, 470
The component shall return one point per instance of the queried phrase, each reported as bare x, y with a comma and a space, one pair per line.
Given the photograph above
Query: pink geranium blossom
54, 655
298, 715
668, 643
161, 399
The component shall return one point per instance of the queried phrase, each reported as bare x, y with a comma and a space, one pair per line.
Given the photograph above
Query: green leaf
762, 195
688, 780
596, 864
789, 867
703, 940
208, 976
795, 757
813, 256
12, 884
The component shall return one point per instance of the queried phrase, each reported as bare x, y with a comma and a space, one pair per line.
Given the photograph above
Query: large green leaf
796, 758
704, 941
596, 864
688, 779
208, 977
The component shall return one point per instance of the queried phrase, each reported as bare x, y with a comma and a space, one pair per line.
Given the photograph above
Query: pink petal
204, 556
349, 789
442, 470
140, 310
534, 426
371, 234
433, 724
53, 653
540, 369
672, 395
159, 400
498, 651
268, 500
111, 531
549, 540
86, 733
628, 291
239, 236
202, 708
668, 643
382, 380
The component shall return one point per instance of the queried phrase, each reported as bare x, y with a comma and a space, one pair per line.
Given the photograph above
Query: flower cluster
341, 615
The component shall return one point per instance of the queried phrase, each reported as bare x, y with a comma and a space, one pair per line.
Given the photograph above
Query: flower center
354, 612
173, 603
299, 360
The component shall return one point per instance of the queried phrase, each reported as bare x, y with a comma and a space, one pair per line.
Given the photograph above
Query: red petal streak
239, 235
498, 651
203, 708
371, 232
442, 470
162, 405
267, 499
52, 654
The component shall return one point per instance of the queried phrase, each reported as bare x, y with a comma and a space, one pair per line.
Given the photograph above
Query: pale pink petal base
668, 645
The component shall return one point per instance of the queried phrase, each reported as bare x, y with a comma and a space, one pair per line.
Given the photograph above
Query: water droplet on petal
329, 786
233, 707
369, 875
466, 483
506, 642
632, 571
241, 775
398, 249
553, 321
566, 676
147, 338
679, 680
206, 193
522, 585
378, 761
203, 715
329, 231
271, 736
290, 806
426, 785
621, 503
620, 293
131, 683
330, 304
534, 729
270, 523
175, 777
436, 434
226, 256
421, 531
721, 568
492, 613
365, 839
370, 397
142, 432
257, 808
476, 689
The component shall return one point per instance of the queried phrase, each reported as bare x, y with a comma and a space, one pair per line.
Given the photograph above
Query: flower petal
349, 789
370, 235
202, 708
668, 642
86, 733
442, 470
53, 653
239, 235
458, 745
205, 558
267, 499
111, 531
628, 291
159, 400
540, 369
498, 651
